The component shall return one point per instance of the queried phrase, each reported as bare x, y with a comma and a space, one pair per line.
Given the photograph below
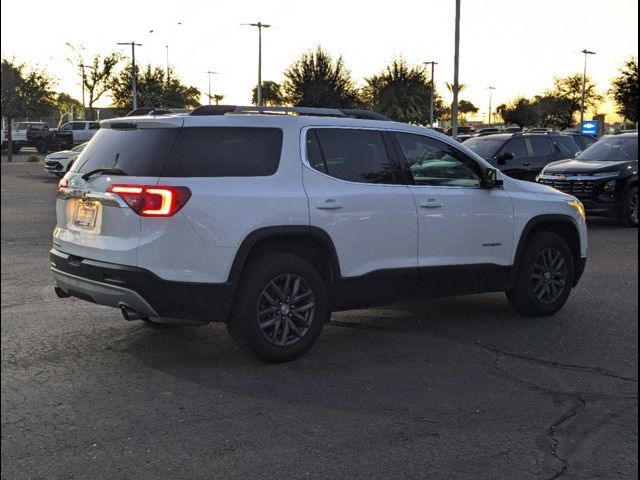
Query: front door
465, 232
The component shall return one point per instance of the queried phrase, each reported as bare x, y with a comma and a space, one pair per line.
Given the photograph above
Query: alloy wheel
549, 275
286, 310
633, 209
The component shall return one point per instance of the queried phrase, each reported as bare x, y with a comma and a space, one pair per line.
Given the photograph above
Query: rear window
225, 152
139, 153
541, 146
567, 144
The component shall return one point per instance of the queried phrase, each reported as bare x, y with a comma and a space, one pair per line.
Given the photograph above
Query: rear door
543, 152
94, 223
357, 195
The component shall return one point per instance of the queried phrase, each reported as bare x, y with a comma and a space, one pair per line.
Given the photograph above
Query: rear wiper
103, 171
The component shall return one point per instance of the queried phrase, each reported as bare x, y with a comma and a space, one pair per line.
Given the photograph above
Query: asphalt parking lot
455, 388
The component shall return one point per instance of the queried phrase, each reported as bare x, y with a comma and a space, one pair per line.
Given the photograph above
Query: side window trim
405, 161
398, 173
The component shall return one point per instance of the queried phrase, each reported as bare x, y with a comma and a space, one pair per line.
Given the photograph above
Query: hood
61, 154
580, 167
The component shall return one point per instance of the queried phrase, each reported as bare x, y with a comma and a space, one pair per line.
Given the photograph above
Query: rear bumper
139, 289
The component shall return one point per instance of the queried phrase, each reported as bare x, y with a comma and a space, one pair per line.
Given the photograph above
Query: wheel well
564, 228
313, 249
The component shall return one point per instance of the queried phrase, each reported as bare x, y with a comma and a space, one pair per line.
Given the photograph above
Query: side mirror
576, 154
504, 157
492, 178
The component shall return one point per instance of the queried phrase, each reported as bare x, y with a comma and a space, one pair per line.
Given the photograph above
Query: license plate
86, 214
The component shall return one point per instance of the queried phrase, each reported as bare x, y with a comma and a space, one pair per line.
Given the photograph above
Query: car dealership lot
455, 388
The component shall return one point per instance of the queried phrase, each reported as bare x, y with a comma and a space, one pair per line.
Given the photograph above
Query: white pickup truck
82, 131
18, 138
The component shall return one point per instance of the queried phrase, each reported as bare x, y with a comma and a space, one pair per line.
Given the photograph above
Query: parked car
540, 130
271, 222
583, 140
523, 156
464, 132
40, 136
512, 130
82, 131
58, 163
488, 131
604, 177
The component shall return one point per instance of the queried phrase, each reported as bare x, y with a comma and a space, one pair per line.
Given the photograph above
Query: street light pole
210, 73
167, 47
456, 71
260, 26
491, 89
133, 71
584, 84
433, 67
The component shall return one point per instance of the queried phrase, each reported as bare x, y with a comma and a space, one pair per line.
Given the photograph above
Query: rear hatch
94, 222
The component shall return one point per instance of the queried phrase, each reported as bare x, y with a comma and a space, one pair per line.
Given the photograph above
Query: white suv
269, 219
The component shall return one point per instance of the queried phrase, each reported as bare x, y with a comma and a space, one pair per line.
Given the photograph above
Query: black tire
539, 291
263, 276
41, 146
629, 214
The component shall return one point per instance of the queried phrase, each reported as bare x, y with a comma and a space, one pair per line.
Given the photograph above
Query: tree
98, 78
567, 93
271, 94
521, 112
555, 111
465, 107
624, 89
402, 93
316, 80
25, 93
156, 89
65, 104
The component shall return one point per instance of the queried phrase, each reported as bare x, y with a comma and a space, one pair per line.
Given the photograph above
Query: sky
516, 46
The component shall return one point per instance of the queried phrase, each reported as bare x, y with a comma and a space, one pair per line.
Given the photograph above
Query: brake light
64, 183
152, 201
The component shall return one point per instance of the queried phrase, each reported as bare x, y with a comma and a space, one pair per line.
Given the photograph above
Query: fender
281, 231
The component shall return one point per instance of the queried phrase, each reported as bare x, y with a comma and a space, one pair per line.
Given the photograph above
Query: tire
629, 214
41, 146
286, 329
545, 276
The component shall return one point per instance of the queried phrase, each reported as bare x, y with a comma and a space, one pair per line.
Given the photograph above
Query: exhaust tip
60, 293
130, 314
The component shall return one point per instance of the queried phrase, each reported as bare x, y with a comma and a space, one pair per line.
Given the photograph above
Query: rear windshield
486, 147
139, 153
225, 152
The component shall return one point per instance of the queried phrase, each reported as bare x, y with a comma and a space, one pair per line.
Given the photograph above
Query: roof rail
149, 111
205, 110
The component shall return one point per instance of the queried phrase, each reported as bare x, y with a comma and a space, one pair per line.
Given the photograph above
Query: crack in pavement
579, 400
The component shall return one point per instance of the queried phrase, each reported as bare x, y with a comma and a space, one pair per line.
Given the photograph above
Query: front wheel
629, 216
280, 308
41, 146
545, 276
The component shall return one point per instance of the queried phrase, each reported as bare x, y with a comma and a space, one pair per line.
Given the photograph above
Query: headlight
610, 186
579, 208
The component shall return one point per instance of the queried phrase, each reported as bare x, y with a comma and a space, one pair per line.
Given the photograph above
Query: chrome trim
106, 199
578, 178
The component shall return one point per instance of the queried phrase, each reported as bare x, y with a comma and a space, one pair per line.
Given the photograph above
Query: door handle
329, 204
431, 203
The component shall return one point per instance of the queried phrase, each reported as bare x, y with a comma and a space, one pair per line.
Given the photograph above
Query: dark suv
604, 177
523, 156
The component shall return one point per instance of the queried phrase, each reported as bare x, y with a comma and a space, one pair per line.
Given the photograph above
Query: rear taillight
64, 183
152, 201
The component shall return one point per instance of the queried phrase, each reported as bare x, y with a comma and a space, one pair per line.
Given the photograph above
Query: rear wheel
545, 276
41, 146
280, 309
629, 215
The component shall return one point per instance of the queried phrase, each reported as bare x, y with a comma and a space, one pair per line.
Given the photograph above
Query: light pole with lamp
133, 71
433, 67
260, 26
491, 89
584, 84
210, 73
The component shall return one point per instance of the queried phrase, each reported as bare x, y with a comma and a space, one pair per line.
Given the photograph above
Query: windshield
614, 149
138, 152
485, 147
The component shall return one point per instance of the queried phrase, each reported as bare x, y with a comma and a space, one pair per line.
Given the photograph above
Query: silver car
58, 163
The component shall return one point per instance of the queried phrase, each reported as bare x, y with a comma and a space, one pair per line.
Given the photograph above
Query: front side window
350, 154
66, 127
77, 126
517, 146
436, 163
